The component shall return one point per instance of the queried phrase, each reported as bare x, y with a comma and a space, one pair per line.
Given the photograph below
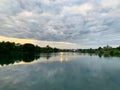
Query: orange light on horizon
16, 40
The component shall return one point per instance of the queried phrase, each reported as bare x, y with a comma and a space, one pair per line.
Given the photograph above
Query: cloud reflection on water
79, 72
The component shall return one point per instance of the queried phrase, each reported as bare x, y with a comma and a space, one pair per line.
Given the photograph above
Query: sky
61, 23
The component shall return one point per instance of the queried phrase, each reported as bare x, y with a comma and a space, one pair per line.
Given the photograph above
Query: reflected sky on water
62, 71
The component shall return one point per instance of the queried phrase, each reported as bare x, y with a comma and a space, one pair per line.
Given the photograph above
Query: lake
62, 71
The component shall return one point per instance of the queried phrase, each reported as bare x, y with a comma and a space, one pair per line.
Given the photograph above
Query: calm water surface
62, 71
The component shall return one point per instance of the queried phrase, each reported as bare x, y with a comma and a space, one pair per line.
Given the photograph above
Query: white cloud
75, 21
78, 9
25, 14
110, 4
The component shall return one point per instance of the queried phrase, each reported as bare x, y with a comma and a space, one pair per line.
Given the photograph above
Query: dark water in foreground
62, 71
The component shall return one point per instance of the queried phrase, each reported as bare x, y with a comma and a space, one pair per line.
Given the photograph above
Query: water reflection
99, 55
7, 59
27, 58
76, 72
61, 56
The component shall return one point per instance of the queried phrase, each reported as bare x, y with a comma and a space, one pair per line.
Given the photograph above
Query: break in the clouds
84, 22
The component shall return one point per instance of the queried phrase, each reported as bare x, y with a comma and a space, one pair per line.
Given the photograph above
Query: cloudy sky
62, 23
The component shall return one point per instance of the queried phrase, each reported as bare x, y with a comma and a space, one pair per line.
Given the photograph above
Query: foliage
105, 51
13, 48
11, 52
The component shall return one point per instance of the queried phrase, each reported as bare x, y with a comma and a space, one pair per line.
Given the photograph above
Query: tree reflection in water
11, 59
8, 59
30, 57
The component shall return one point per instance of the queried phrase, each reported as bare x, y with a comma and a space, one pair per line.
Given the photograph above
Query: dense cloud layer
85, 22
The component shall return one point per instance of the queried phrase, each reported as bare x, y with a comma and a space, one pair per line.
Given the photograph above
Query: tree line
11, 48
103, 51
11, 52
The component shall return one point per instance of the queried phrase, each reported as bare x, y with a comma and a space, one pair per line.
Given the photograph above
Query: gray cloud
85, 22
